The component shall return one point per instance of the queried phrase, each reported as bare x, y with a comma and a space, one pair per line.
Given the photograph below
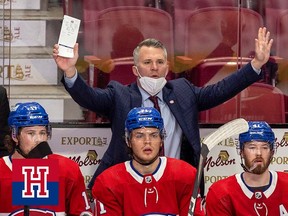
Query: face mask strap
136, 68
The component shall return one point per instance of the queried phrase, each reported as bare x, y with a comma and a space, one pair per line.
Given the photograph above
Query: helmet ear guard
127, 135
14, 132
49, 131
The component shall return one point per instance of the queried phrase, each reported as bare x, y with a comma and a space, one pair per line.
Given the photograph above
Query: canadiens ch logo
35, 182
37, 212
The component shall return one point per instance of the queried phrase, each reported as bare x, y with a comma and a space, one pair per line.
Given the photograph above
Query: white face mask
151, 85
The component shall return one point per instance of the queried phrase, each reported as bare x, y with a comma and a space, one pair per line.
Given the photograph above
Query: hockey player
147, 184
257, 191
30, 131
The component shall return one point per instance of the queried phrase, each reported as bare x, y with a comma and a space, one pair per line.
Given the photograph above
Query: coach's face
151, 63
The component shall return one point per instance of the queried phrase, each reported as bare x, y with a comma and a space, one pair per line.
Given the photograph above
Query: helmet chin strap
18, 149
245, 168
40, 151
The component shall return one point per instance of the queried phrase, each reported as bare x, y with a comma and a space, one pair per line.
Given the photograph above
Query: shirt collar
145, 95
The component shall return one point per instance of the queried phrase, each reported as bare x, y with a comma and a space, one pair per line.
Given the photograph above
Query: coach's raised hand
66, 64
262, 48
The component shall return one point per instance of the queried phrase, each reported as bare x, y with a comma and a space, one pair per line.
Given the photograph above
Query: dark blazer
183, 98
4, 114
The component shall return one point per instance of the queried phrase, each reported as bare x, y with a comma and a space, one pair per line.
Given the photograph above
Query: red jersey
121, 190
231, 196
72, 194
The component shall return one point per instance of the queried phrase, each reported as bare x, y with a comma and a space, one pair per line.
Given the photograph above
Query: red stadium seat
86, 9
224, 23
211, 70
259, 101
274, 10
150, 22
229, 39
282, 35
222, 113
183, 9
263, 102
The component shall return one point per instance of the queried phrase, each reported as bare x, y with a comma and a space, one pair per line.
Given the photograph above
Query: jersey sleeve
78, 202
106, 201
